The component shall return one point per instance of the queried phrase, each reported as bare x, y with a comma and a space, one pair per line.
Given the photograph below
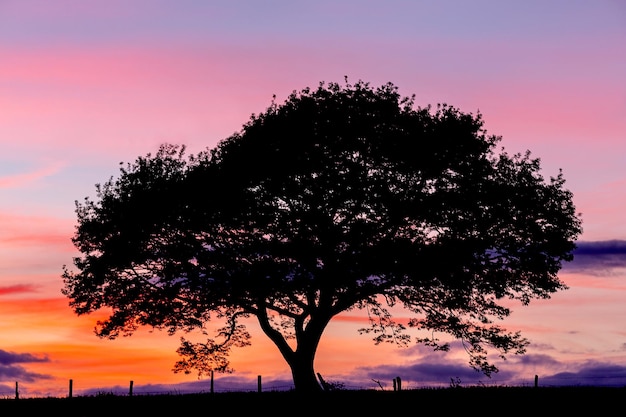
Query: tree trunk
301, 359
301, 364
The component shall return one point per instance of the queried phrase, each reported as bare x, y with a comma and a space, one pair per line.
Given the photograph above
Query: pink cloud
19, 180
31, 240
15, 224
17, 289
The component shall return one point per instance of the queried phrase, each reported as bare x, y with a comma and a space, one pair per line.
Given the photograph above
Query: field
468, 401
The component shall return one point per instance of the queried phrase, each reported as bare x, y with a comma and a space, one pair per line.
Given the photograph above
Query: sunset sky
85, 85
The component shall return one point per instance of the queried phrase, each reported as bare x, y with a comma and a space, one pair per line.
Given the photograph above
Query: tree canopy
344, 197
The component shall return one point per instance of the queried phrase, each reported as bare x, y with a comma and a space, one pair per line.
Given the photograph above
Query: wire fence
215, 386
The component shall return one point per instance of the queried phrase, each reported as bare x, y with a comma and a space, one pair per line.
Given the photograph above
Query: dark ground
498, 401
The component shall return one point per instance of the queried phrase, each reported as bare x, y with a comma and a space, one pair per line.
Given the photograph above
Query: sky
85, 85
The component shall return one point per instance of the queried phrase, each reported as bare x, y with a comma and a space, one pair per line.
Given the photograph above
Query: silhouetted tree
345, 197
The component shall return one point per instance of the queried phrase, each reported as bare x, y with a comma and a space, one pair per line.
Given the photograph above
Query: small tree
344, 197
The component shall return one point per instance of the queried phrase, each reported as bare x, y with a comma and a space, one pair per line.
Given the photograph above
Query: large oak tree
343, 197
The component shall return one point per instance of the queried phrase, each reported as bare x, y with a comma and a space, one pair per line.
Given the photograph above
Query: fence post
536, 381
259, 383
397, 384
71, 387
130, 389
17, 392
211, 382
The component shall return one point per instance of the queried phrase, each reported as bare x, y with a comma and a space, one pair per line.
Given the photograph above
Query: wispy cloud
16, 289
19, 230
10, 371
10, 358
18, 180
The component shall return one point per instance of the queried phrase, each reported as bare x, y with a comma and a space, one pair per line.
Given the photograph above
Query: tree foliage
343, 197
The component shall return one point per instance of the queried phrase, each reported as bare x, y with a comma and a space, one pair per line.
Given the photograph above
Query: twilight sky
87, 85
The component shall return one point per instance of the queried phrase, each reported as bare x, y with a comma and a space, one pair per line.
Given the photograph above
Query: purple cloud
537, 360
599, 258
10, 358
18, 373
222, 383
9, 371
589, 374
